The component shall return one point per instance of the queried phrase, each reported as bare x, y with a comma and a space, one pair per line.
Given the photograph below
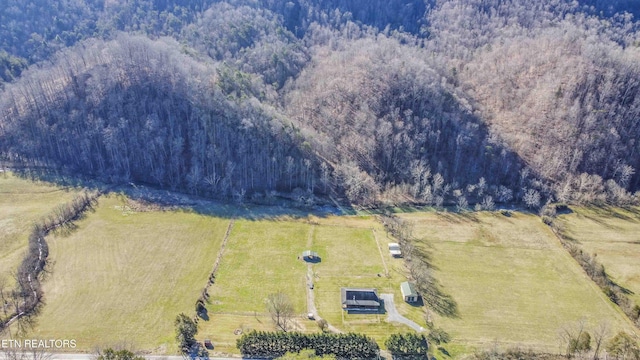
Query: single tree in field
281, 310
323, 325
577, 339
599, 334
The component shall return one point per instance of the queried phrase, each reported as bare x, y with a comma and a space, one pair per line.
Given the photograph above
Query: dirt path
384, 263
311, 305
311, 298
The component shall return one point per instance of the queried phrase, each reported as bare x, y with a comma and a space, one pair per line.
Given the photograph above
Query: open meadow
613, 235
125, 273
22, 203
128, 268
513, 282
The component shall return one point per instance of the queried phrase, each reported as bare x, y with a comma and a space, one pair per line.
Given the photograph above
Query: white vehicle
394, 250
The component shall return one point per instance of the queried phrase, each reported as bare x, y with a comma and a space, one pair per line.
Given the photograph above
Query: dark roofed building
310, 256
360, 299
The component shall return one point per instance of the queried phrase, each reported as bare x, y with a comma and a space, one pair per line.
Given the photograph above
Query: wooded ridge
436, 102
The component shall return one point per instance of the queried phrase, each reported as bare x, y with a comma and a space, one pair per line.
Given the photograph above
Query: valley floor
128, 268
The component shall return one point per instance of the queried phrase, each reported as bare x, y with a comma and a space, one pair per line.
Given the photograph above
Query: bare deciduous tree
281, 310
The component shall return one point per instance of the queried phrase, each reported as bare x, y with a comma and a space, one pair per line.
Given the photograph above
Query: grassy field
513, 282
613, 234
22, 202
127, 270
123, 275
261, 258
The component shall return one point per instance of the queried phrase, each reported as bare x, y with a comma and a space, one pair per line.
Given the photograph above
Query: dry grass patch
22, 203
613, 234
123, 276
513, 282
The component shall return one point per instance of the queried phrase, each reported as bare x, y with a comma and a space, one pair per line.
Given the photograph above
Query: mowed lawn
122, 276
513, 282
22, 203
261, 258
354, 254
613, 234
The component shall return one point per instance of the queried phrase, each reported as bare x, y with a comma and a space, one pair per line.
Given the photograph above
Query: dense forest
439, 102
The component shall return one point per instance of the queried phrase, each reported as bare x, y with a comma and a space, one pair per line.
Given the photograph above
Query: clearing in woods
513, 282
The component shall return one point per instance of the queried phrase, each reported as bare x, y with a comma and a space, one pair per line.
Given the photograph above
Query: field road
59, 356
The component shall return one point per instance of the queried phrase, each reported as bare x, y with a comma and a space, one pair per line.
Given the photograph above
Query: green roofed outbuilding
409, 293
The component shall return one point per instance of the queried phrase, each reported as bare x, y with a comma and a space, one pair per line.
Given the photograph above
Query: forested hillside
437, 102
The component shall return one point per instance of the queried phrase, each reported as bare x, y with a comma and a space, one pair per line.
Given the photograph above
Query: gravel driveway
394, 316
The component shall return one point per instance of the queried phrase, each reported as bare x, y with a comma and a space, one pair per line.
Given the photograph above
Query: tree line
25, 300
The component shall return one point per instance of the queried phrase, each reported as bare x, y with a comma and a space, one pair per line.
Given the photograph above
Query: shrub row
408, 346
597, 273
275, 344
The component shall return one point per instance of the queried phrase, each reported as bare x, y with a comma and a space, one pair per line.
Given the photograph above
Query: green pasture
613, 236
261, 257
514, 284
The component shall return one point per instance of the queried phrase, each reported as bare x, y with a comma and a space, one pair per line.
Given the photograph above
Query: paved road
394, 315
59, 356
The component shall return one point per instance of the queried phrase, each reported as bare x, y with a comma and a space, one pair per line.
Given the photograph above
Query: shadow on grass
608, 212
431, 291
441, 303
635, 210
622, 289
444, 351
601, 220
203, 313
422, 270
277, 207
417, 304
